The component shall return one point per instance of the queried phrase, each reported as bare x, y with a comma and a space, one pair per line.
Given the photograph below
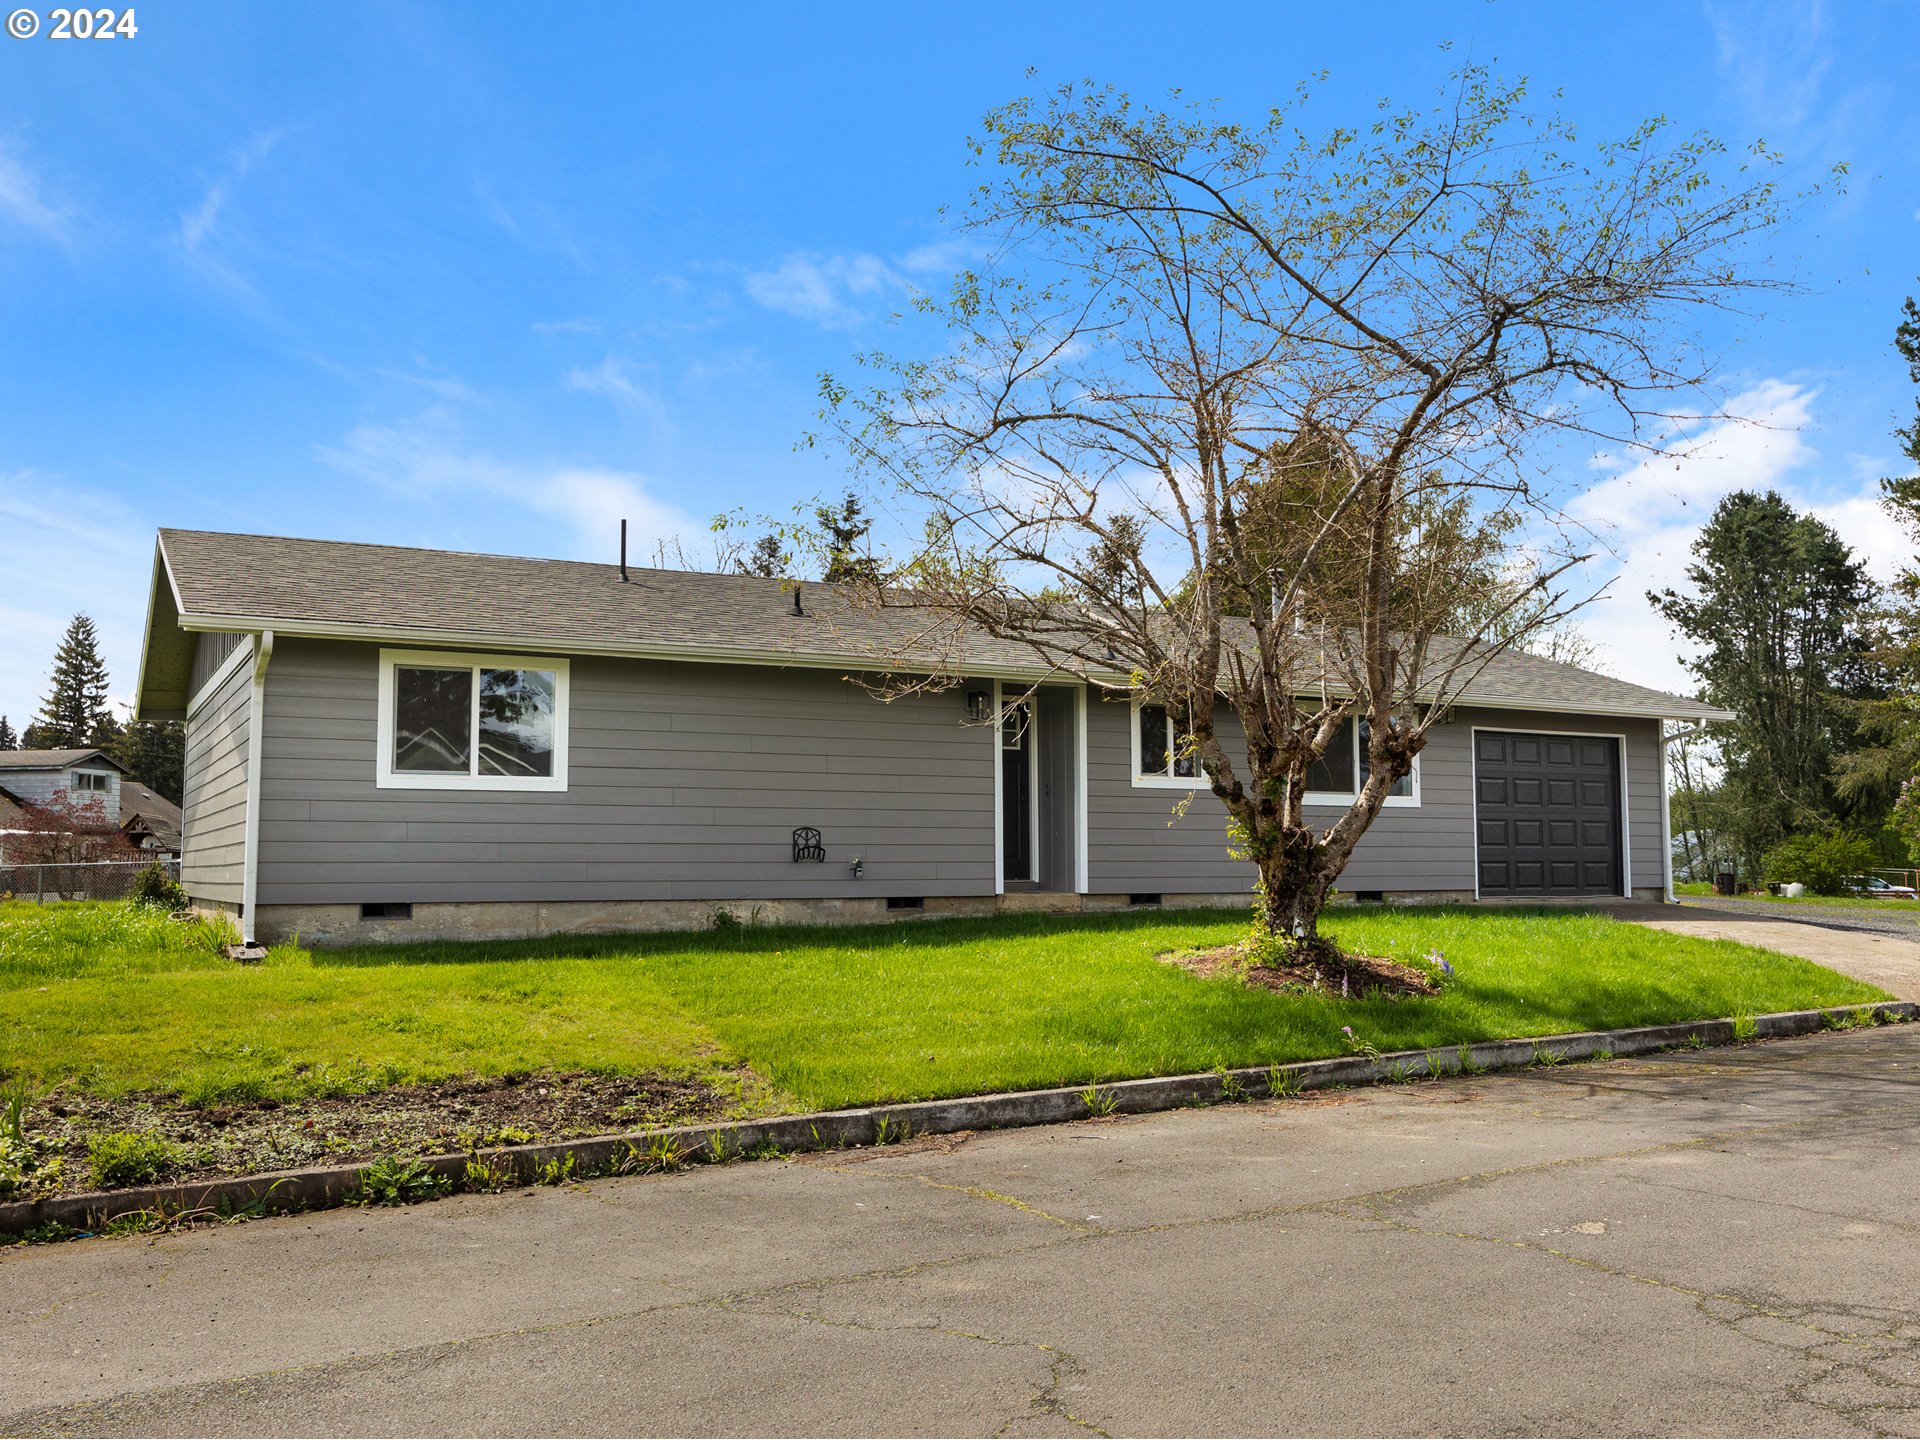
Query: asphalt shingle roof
388, 591
46, 759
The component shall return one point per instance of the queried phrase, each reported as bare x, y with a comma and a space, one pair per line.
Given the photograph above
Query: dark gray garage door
1547, 809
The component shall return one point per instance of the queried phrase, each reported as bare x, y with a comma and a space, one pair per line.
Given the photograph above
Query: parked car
1879, 889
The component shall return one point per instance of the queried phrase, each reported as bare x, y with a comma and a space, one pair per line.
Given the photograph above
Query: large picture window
480, 722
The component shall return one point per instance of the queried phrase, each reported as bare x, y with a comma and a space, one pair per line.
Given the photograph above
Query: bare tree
1242, 418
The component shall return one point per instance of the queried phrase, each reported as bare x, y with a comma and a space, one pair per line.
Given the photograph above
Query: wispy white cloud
613, 379
1778, 62
840, 290
64, 550
1651, 511
582, 326
532, 223
24, 201
825, 289
199, 231
445, 387
426, 458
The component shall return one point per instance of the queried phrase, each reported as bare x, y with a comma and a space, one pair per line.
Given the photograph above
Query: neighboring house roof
207, 581
53, 759
145, 811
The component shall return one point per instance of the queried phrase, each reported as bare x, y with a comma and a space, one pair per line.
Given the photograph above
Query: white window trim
387, 778
105, 786
1322, 798
1141, 779
1333, 798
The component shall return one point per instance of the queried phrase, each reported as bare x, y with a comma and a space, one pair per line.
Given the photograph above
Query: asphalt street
1712, 1242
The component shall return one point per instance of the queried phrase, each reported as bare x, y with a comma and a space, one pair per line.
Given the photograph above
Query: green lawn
1700, 890
830, 1017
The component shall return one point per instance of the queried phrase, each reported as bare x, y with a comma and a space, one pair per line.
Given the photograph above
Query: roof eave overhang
153, 700
783, 659
504, 640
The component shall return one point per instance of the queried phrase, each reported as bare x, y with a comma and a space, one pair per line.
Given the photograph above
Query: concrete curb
322, 1188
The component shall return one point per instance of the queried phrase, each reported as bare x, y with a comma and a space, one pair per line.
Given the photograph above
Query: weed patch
399, 1180
118, 1158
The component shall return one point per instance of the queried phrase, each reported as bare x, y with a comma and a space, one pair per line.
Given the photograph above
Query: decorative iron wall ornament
807, 846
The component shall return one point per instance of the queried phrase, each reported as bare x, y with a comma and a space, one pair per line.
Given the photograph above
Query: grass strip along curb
670, 1148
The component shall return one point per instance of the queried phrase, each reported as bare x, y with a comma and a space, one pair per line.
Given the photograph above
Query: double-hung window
1161, 757
454, 721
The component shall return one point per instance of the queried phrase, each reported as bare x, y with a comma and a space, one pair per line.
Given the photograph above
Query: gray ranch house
388, 743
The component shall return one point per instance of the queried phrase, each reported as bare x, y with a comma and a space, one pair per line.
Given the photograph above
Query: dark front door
1547, 814
1016, 793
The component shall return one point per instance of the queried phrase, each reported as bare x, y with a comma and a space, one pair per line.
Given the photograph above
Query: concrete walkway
1888, 961
1714, 1242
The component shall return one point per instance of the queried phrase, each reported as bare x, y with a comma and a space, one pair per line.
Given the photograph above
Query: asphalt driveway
1713, 1242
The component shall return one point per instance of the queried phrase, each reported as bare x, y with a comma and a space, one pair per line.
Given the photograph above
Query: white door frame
1078, 781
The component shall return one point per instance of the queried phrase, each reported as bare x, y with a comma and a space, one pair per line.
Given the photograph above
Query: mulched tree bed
1327, 972
448, 1116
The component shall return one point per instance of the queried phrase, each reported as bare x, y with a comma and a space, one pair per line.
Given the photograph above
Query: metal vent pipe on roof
623, 552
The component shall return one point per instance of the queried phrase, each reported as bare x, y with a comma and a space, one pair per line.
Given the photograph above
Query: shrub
1906, 817
128, 1157
1822, 863
156, 887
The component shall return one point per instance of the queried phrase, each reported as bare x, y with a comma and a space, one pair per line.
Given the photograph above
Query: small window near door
1159, 756
1014, 725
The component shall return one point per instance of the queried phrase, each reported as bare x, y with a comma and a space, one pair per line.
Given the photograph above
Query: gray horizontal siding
213, 808
685, 782
1136, 844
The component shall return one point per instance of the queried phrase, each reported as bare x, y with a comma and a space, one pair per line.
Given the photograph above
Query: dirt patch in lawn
448, 1116
1325, 974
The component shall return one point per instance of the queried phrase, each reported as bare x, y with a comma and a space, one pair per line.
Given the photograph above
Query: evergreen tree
1776, 620
767, 558
1883, 769
76, 703
154, 752
8, 740
843, 535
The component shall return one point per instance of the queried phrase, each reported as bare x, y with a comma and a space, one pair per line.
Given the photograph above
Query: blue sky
490, 277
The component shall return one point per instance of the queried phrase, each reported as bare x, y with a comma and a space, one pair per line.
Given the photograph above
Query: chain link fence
84, 880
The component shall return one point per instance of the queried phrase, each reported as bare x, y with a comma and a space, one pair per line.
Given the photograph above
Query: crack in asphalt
1878, 1345
1061, 1362
978, 1192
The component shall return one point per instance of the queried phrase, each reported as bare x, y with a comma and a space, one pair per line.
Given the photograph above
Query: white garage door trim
1473, 790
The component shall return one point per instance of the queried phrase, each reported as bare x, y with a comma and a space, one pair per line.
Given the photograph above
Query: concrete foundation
325, 925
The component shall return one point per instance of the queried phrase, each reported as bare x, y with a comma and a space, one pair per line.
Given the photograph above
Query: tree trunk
1296, 876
